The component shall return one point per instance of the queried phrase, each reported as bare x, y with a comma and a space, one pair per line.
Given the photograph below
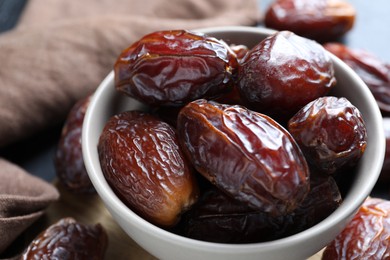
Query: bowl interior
107, 102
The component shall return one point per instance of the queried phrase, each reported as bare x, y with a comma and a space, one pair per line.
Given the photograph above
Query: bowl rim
109, 197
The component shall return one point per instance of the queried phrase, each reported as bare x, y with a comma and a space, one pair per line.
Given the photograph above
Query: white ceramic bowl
165, 245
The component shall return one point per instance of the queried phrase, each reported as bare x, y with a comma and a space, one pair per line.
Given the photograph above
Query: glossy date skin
69, 162
68, 240
366, 236
320, 20
222, 219
283, 73
373, 71
331, 133
175, 67
246, 154
141, 160
219, 218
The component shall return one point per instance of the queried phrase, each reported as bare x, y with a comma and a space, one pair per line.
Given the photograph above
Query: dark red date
366, 236
320, 20
219, 218
331, 133
246, 154
324, 198
175, 67
222, 219
374, 72
69, 162
283, 73
68, 239
141, 160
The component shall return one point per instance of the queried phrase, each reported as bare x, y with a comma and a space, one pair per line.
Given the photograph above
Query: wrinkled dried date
222, 219
324, 198
374, 72
68, 239
69, 162
175, 67
219, 218
141, 160
320, 20
366, 236
283, 73
246, 154
331, 133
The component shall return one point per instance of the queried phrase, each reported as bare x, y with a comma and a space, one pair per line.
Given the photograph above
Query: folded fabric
23, 198
61, 50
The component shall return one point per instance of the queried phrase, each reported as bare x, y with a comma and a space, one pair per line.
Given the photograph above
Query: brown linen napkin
61, 50
23, 198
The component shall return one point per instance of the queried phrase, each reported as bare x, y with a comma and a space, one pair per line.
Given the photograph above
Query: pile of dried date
238, 145
216, 171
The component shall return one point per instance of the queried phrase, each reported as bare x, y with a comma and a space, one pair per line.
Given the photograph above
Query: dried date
175, 67
331, 133
222, 219
141, 160
219, 218
246, 154
68, 239
69, 162
374, 72
283, 73
324, 198
232, 98
321, 20
366, 236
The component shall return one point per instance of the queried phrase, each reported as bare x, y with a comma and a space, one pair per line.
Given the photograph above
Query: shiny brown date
366, 236
175, 67
140, 158
283, 73
246, 154
331, 133
69, 162
219, 218
320, 20
68, 239
324, 198
222, 219
374, 72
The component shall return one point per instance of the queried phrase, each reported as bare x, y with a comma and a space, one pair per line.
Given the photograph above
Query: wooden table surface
371, 32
